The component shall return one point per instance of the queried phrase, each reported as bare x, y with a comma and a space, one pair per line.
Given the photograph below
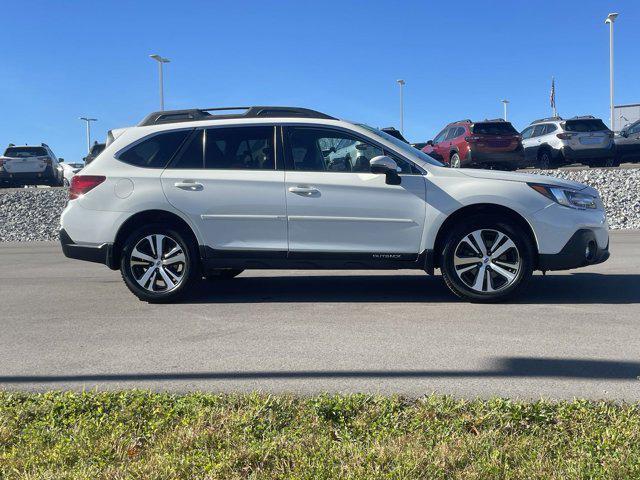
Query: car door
628, 146
337, 211
230, 182
527, 144
439, 145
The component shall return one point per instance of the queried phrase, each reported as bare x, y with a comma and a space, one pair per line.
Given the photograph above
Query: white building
624, 115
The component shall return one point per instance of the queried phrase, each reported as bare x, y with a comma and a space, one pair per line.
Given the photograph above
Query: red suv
486, 144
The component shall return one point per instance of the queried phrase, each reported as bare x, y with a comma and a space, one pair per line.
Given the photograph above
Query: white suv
199, 193
554, 141
30, 165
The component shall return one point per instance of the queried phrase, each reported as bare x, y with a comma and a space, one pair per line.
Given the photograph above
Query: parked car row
545, 143
22, 165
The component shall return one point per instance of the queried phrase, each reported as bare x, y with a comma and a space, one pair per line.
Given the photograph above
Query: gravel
33, 213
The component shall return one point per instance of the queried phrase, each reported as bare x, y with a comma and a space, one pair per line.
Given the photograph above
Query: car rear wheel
487, 259
223, 273
159, 264
455, 161
544, 160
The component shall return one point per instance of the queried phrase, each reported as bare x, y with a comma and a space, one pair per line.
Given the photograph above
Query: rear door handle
189, 185
305, 191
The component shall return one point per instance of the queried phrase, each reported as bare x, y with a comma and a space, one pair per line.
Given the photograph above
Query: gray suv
554, 141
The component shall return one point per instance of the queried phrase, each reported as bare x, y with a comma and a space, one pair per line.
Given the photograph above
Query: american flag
552, 97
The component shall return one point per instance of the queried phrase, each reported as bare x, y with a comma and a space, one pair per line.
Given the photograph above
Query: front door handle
305, 191
189, 185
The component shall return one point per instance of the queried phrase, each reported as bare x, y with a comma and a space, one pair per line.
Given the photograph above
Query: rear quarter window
155, 151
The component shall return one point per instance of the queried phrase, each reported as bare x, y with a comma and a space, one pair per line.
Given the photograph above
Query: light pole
401, 83
505, 103
160, 61
610, 19
88, 120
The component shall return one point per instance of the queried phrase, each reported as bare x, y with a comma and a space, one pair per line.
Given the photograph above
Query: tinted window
453, 132
493, 128
635, 129
550, 127
402, 147
155, 151
587, 125
526, 133
318, 150
24, 152
538, 130
248, 148
440, 136
191, 156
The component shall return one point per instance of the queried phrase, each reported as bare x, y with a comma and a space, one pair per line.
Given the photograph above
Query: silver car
554, 141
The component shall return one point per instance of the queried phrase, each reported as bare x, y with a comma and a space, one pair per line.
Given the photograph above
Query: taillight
81, 184
472, 139
564, 136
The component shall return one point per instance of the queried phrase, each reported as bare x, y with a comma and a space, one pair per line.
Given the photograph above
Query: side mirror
430, 143
387, 166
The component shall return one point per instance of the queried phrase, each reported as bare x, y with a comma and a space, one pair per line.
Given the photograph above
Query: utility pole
505, 103
161, 61
402, 84
610, 19
88, 121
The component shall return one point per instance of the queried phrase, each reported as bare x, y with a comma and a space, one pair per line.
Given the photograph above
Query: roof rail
546, 119
583, 117
466, 120
44, 145
195, 114
494, 120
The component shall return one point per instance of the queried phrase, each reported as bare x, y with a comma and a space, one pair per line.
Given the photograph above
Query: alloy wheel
487, 261
158, 263
455, 162
545, 161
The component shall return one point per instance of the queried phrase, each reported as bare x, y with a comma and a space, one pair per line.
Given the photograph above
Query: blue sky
65, 59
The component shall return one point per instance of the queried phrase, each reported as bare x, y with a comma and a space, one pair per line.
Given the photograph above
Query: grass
137, 434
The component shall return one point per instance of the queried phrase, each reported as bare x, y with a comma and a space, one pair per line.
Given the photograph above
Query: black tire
454, 161
545, 160
488, 223
223, 274
191, 272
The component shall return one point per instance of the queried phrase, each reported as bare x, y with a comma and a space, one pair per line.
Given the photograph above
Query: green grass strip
138, 434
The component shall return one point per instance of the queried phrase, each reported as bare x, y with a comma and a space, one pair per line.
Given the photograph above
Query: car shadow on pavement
573, 288
512, 367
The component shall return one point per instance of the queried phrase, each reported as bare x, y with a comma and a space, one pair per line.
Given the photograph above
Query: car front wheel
487, 260
158, 264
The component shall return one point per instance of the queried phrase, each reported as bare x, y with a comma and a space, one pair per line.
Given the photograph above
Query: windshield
25, 152
402, 146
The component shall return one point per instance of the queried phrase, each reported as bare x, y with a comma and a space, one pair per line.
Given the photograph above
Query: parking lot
70, 324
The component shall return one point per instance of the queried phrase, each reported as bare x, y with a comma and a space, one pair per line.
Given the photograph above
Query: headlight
567, 197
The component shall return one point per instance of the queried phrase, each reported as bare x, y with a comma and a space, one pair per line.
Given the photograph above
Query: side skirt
213, 259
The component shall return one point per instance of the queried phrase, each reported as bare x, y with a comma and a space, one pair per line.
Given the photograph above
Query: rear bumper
588, 153
89, 253
575, 254
27, 177
514, 158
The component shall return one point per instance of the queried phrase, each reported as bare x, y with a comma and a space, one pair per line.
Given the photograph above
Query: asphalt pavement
70, 324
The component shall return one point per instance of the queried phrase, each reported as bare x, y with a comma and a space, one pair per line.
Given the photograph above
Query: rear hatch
26, 159
587, 133
494, 137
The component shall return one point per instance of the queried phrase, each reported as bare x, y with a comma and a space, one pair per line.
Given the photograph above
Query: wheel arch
470, 211
146, 217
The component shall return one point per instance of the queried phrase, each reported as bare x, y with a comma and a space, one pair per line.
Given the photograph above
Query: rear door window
240, 148
549, 128
155, 151
538, 130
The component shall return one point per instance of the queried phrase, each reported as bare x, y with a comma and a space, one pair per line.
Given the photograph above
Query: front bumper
581, 250
89, 253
